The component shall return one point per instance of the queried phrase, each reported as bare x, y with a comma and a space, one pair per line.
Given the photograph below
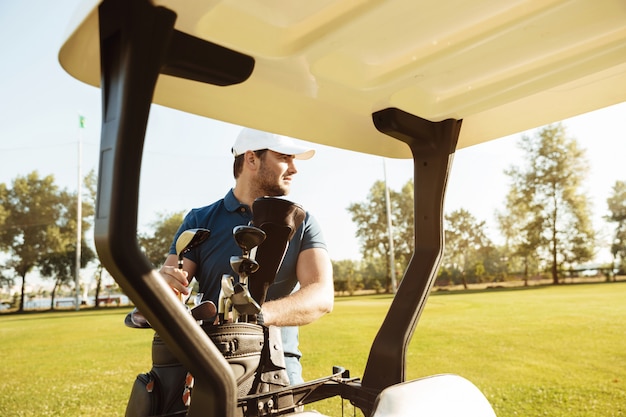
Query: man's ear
251, 160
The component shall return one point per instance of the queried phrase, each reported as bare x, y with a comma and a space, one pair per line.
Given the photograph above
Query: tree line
545, 222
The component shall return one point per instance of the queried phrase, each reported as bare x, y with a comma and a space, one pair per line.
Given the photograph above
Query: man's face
275, 173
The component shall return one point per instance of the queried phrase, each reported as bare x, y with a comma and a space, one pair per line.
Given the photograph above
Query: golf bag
253, 351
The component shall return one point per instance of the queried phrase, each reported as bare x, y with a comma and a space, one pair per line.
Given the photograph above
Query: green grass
70, 363
553, 351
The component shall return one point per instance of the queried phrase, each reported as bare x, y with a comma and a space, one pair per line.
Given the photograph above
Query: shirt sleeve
313, 235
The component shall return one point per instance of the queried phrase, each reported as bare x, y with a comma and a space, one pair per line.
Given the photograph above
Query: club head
189, 239
227, 285
206, 310
243, 266
221, 304
198, 298
234, 314
248, 237
136, 320
243, 301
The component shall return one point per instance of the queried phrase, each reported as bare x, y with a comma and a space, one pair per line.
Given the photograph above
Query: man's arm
314, 298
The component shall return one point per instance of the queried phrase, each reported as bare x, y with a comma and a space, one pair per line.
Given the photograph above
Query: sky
40, 106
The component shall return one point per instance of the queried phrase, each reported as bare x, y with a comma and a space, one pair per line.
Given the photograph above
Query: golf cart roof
321, 69
398, 78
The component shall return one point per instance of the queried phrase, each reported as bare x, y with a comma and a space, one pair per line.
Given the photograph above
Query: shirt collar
231, 203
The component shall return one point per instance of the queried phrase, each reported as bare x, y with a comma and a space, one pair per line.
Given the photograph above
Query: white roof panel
323, 67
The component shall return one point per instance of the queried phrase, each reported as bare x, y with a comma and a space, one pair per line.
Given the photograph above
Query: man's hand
178, 279
175, 278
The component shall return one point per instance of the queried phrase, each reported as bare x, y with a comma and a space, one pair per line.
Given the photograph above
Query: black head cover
279, 219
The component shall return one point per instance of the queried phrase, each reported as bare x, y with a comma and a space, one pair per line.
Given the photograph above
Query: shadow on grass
495, 288
62, 313
489, 288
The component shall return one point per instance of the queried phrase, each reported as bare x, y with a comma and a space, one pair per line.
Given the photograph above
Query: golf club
188, 240
243, 267
248, 238
136, 320
279, 219
226, 291
204, 311
243, 301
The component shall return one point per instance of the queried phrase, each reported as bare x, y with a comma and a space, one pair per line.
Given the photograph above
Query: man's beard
268, 185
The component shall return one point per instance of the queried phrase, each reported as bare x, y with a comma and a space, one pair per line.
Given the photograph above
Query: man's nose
292, 167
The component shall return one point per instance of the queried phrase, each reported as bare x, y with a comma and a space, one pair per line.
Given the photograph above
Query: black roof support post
137, 42
432, 145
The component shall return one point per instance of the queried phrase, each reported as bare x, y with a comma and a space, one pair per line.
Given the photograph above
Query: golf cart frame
138, 42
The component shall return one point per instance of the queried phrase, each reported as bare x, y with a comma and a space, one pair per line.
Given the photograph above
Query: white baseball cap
255, 140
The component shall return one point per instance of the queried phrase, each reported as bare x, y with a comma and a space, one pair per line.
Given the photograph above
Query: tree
156, 244
518, 226
61, 265
345, 275
371, 219
465, 238
34, 217
6, 276
617, 208
404, 224
552, 215
4, 195
6, 280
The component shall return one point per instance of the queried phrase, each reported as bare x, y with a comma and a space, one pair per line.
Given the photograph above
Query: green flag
81, 121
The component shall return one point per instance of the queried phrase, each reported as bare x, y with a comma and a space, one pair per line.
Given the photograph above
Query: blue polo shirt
212, 257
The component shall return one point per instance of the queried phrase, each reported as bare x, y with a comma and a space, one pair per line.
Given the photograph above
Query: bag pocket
158, 392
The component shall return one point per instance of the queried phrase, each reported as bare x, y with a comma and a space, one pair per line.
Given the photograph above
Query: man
303, 290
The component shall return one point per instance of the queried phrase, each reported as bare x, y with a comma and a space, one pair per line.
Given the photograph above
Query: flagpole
79, 212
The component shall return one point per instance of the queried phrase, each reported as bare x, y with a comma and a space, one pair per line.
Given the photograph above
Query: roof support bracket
432, 145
